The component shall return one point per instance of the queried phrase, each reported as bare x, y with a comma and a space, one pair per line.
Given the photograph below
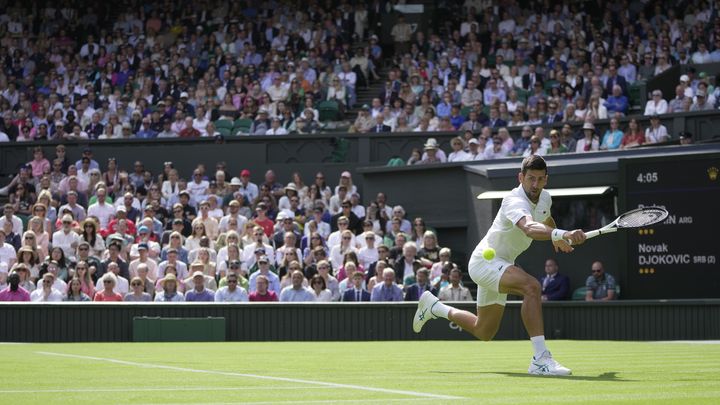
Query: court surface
433, 372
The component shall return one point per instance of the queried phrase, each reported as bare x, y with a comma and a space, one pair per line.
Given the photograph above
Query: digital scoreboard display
678, 258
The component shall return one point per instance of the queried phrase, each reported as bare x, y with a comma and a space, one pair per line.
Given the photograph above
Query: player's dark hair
534, 162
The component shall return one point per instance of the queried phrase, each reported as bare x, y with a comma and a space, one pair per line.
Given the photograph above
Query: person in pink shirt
13, 292
107, 294
39, 163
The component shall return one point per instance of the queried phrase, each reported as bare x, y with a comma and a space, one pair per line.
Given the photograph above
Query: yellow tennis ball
489, 254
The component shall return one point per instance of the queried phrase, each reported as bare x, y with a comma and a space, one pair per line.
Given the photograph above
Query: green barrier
156, 329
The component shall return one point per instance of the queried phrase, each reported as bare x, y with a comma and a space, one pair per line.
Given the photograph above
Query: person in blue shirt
612, 137
444, 108
388, 290
199, 292
617, 103
456, 119
145, 131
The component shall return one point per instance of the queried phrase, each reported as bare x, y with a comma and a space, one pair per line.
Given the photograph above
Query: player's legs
484, 326
516, 281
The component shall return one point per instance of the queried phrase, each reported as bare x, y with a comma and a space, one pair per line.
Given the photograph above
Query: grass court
433, 372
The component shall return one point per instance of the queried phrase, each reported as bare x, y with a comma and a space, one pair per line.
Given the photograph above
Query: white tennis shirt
504, 236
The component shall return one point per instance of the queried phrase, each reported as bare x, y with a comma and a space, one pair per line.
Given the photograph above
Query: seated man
555, 286
262, 293
422, 284
387, 290
296, 292
600, 285
232, 292
455, 291
199, 292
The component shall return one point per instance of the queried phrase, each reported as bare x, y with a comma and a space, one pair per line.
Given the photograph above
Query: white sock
538, 343
440, 310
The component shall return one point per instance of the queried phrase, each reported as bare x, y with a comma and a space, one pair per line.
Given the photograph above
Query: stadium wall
109, 322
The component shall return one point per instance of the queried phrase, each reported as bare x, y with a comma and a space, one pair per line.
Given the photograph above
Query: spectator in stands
421, 285
14, 291
634, 136
169, 292
617, 103
590, 141
600, 285
657, 105
455, 291
656, 132
387, 290
199, 292
138, 293
107, 293
555, 286
613, 136
701, 103
296, 292
262, 293
232, 292
676, 104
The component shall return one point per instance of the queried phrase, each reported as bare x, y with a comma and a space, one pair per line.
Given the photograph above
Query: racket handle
597, 232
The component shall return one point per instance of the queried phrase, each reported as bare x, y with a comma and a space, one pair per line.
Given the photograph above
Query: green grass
488, 373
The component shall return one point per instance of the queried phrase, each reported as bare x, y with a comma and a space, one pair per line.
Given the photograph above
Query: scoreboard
680, 257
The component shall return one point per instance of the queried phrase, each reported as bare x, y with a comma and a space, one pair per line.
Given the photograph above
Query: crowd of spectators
82, 231
173, 70
537, 65
154, 69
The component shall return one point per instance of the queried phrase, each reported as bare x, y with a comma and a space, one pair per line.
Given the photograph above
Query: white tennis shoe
546, 365
424, 312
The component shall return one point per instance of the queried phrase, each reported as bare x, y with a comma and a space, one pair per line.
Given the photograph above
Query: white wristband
557, 234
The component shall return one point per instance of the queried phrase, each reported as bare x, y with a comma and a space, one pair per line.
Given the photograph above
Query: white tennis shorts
486, 274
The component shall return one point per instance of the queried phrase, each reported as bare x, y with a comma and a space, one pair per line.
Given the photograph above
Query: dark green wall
106, 322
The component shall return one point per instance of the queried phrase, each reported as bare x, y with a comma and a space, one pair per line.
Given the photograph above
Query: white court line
257, 376
321, 401
691, 342
155, 389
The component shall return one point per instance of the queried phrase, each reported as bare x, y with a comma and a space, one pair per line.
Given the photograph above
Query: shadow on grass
609, 376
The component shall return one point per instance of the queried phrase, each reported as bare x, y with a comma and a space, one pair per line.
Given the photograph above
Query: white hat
184, 94
473, 141
589, 125
431, 143
684, 78
235, 182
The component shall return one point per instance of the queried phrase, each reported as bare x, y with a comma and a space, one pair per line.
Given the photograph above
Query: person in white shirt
8, 256
9, 216
368, 254
248, 255
524, 216
656, 132
103, 211
231, 292
458, 154
275, 128
46, 293
249, 189
200, 122
198, 186
66, 238
657, 105
455, 291
233, 209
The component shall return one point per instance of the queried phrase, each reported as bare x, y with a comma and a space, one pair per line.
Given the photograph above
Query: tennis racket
636, 218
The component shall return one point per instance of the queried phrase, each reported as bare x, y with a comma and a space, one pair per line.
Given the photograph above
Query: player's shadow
609, 376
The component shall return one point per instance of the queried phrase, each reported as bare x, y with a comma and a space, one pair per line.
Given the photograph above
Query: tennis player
523, 217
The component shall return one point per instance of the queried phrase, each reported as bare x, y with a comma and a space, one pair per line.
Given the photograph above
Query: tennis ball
489, 254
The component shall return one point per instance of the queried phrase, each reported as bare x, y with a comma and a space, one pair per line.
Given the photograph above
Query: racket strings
642, 218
